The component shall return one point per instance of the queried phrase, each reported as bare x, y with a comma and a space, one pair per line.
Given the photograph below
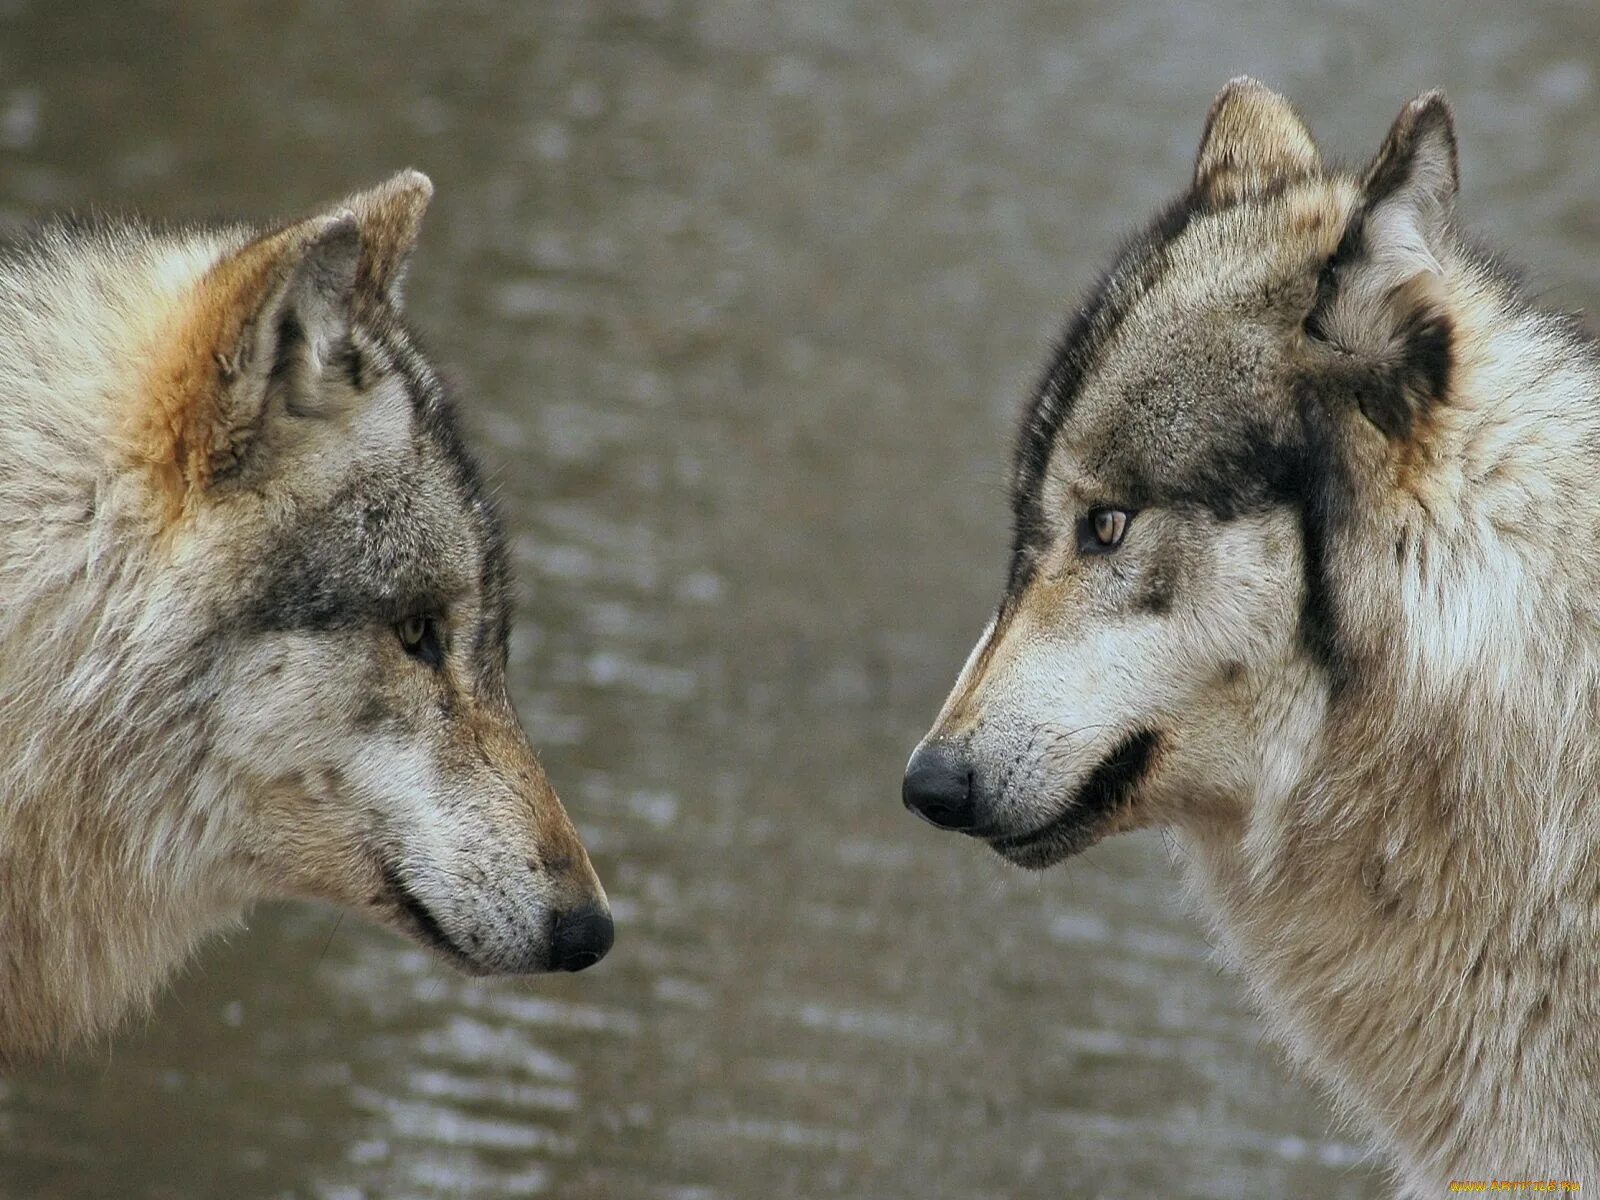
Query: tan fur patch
390, 216
496, 738
1252, 138
179, 423
962, 708
1319, 213
174, 423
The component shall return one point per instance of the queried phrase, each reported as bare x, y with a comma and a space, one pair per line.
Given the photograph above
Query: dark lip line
427, 925
1100, 794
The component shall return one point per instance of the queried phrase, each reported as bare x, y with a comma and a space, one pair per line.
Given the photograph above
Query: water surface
741, 299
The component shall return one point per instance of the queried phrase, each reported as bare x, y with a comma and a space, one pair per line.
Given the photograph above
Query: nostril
581, 938
940, 787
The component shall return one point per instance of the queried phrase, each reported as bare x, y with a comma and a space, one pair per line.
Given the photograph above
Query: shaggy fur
253, 635
1348, 649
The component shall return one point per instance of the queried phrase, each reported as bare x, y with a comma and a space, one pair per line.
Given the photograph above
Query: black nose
581, 938
938, 787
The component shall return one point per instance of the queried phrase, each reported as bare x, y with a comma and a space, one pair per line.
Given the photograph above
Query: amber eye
1105, 529
419, 635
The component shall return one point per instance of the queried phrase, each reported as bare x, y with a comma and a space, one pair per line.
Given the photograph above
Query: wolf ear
1382, 297
276, 309
1253, 140
390, 217
1409, 190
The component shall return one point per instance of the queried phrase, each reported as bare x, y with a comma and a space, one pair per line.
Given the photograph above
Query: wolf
1305, 571
253, 639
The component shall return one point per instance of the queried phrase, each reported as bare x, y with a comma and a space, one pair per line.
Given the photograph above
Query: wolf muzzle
946, 786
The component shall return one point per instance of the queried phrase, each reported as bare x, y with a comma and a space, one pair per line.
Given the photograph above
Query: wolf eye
1104, 530
419, 636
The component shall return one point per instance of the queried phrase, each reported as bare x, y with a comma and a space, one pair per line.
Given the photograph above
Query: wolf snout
939, 787
580, 938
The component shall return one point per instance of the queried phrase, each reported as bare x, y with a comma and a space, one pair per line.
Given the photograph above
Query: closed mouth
1087, 813
423, 923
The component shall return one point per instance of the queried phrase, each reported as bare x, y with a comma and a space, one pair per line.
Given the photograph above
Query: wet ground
741, 299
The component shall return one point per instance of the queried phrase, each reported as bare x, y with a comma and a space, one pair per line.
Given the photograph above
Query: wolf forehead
386, 545
1164, 387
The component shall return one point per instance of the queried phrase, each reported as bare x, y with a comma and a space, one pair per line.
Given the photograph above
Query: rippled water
741, 298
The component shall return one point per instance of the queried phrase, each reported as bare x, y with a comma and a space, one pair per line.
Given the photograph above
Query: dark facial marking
374, 712
1155, 595
368, 556
1325, 502
423, 921
1352, 249
365, 556
1097, 797
1137, 268
1116, 776
1392, 392
488, 644
1427, 339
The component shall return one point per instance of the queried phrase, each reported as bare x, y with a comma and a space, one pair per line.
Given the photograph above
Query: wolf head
319, 523
1225, 427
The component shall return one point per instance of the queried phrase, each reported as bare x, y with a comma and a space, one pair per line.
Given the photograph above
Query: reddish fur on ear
205, 383
201, 401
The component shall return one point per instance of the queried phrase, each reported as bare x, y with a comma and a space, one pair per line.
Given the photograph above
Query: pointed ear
390, 217
1410, 190
1253, 140
276, 310
1382, 299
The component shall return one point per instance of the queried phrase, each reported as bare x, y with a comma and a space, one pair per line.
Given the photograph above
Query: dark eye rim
426, 643
1089, 541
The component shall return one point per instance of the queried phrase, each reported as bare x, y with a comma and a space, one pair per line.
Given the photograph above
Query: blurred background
741, 300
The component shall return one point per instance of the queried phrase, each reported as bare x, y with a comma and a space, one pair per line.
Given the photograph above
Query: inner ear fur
1253, 142
1409, 193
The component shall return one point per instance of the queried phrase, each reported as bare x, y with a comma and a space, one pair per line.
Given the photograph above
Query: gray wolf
256, 606
1306, 573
